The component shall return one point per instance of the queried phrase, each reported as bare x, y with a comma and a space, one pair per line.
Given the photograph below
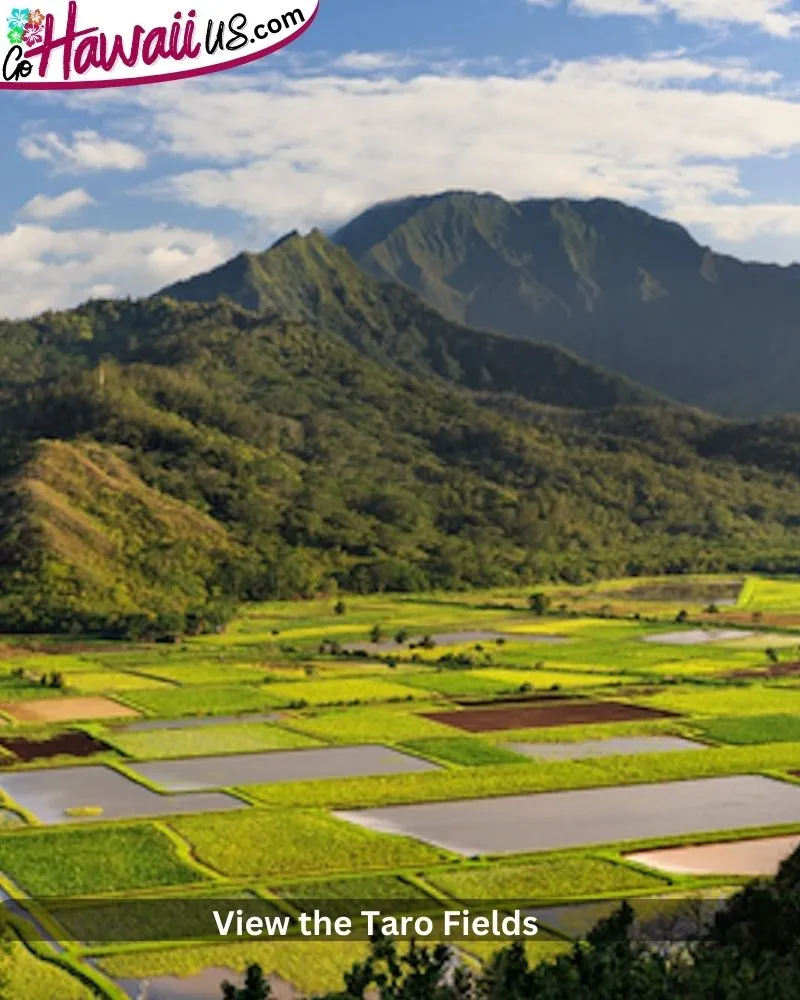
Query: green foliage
252, 844
256, 986
163, 459
351, 895
539, 603
749, 953
201, 700
549, 878
93, 859
470, 752
207, 740
751, 729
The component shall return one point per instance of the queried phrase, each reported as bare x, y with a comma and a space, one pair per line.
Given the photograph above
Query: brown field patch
66, 709
785, 619
66, 744
768, 672
565, 713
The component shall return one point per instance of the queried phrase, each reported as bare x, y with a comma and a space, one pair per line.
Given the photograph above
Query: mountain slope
620, 287
82, 534
160, 457
308, 279
255, 457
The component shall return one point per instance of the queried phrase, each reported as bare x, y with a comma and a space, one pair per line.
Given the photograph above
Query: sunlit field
381, 701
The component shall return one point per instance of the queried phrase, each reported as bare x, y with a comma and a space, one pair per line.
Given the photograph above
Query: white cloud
665, 132
368, 62
740, 223
85, 151
41, 268
669, 132
43, 208
774, 17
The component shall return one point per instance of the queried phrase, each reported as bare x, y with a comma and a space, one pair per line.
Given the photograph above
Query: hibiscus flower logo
18, 18
33, 34
26, 26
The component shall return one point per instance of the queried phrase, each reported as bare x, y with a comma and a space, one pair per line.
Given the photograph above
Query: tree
772, 655
339, 608
376, 633
256, 986
539, 603
401, 636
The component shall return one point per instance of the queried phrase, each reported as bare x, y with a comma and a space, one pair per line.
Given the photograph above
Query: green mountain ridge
309, 279
160, 458
620, 287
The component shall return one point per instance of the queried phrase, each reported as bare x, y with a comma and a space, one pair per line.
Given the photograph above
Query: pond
552, 820
605, 748
50, 792
190, 773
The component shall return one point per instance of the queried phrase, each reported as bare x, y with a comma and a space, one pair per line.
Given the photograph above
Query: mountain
620, 287
309, 279
160, 458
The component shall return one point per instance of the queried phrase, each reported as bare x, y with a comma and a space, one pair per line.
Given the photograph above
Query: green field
199, 700
25, 975
208, 740
469, 752
288, 659
552, 878
753, 729
98, 859
263, 845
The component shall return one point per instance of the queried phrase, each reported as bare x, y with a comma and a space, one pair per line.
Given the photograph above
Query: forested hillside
161, 458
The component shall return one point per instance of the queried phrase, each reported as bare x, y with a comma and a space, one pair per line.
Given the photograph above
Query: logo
91, 43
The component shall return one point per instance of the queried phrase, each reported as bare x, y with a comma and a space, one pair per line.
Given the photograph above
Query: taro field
628, 739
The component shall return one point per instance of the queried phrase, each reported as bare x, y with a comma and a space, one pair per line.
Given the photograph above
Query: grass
349, 896
207, 740
498, 780
539, 679
25, 975
461, 682
551, 878
201, 700
374, 725
103, 681
750, 729
342, 692
762, 594
747, 699
191, 672
264, 845
76, 862
471, 752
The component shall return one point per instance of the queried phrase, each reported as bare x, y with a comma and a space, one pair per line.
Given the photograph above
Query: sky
687, 108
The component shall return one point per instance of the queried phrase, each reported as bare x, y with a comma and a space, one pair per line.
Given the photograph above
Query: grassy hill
161, 457
83, 536
622, 288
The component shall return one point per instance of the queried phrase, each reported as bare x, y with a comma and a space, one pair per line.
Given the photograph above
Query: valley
257, 764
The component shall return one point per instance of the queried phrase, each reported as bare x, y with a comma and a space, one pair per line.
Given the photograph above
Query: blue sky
689, 108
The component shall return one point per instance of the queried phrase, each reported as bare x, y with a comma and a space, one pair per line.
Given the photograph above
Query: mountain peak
620, 286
